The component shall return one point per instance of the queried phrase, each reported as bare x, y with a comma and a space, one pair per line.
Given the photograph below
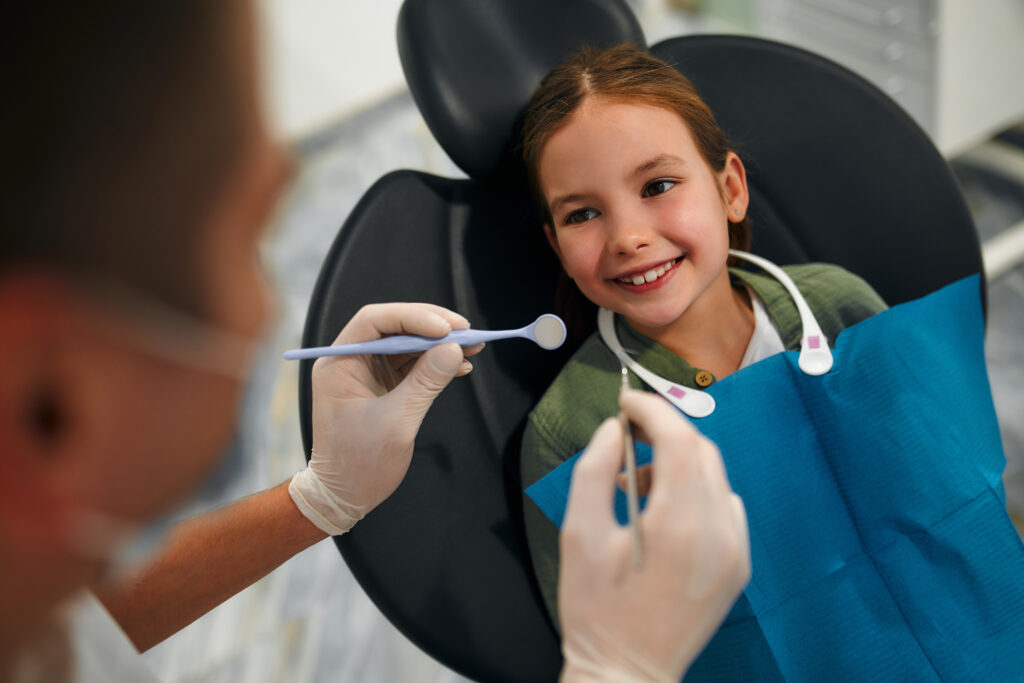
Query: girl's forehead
602, 108
614, 131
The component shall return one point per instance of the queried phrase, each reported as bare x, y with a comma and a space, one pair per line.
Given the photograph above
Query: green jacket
586, 390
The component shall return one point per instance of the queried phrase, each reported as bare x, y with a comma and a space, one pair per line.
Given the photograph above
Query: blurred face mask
123, 546
173, 336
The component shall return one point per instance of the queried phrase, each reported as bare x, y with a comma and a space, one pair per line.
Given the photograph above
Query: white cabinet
323, 60
957, 66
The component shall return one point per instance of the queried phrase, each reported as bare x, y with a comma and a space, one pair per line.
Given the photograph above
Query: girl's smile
645, 279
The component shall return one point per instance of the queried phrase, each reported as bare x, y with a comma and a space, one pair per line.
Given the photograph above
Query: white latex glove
368, 409
620, 624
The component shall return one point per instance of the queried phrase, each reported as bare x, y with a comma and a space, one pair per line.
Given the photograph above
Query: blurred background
335, 91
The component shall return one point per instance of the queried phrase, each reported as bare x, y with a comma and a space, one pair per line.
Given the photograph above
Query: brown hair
621, 72
120, 130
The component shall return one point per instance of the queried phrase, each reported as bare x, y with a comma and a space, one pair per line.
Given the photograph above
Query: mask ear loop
173, 335
124, 546
815, 356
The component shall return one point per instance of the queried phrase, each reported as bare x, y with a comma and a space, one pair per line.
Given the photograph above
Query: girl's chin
650, 321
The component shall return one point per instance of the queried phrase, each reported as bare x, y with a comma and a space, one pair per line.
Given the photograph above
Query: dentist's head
136, 175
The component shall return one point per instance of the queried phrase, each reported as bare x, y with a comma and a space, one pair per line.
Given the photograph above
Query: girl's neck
714, 332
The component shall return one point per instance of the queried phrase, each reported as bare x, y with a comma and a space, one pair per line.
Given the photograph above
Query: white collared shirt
766, 340
100, 650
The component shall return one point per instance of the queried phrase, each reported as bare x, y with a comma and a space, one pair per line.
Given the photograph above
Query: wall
324, 60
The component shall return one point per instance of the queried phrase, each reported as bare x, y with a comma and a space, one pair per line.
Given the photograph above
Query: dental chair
837, 173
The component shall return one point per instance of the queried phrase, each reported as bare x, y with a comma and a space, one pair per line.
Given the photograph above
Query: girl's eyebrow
566, 199
657, 162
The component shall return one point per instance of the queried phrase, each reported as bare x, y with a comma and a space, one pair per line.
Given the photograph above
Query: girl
643, 197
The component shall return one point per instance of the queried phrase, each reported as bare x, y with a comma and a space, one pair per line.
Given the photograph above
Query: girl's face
639, 220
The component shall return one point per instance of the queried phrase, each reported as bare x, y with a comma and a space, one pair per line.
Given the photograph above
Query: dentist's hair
120, 130
629, 73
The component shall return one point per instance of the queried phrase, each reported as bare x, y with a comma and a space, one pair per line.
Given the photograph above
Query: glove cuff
574, 672
317, 504
587, 661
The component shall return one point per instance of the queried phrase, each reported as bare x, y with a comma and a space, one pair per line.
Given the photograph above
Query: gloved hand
649, 625
368, 409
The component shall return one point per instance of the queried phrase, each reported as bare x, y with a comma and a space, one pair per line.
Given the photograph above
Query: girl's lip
648, 286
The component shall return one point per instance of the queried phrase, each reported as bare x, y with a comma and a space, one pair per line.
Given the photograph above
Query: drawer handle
894, 52
893, 16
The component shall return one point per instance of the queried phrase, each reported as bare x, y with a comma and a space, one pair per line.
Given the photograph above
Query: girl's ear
733, 181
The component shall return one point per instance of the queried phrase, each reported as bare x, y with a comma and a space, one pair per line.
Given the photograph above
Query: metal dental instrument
632, 504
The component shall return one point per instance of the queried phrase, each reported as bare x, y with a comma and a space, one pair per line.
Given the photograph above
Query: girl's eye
656, 187
580, 216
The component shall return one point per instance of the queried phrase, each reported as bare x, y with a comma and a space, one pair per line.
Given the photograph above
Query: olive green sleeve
585, 392
539, 458
839, 298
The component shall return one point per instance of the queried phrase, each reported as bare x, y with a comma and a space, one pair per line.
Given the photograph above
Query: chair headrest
472, 66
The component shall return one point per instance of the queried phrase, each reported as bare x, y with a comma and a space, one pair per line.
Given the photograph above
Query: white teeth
650, 276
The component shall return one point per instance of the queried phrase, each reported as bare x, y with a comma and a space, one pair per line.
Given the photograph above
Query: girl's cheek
585, 259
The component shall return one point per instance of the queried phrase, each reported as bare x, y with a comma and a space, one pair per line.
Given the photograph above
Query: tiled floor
309, 621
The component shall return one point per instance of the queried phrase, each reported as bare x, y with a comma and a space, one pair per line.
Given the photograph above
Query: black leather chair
837, 171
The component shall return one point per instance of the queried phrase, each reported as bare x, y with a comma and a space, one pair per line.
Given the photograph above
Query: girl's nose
628, 237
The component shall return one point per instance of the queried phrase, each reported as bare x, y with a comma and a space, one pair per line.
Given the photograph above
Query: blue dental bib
880, 543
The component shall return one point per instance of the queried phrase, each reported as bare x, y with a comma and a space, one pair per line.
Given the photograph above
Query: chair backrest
838, 173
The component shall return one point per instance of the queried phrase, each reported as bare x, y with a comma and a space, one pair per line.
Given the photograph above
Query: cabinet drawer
906, 18
803, 25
